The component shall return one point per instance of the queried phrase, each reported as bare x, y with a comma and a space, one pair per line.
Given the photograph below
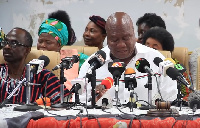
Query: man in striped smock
16, 46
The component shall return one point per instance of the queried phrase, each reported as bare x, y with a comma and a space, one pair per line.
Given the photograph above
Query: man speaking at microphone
122, 45
16, 46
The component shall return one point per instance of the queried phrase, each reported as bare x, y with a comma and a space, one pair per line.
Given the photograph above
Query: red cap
107, 82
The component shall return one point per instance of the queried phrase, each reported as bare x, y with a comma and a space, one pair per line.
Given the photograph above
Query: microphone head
116, 68
140, 64
76, 58
172, 73
99, 59
45, 58
107, 82
102, 53
129, 78
129, 71
157, 60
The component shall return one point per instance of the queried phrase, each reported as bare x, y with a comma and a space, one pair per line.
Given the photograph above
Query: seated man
122, 45
16, 46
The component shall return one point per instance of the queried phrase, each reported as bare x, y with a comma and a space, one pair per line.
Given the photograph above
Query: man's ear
28, 50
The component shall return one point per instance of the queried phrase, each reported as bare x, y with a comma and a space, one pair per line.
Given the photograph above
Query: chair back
35, 54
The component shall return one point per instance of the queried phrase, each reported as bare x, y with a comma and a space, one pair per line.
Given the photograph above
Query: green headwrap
55, 28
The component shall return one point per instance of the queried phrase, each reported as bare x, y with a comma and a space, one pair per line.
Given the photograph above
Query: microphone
96, 61
174, 74
116, 68
67, 62
164, 65
107, 82
130, 83
46, 60
38, 64
129, 79
79, 85
143, 66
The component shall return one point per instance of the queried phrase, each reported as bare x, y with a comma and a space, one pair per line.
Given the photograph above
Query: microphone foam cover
129, 71
45, 58
102, 53
172, 73
157, 60
140, 64
107, 82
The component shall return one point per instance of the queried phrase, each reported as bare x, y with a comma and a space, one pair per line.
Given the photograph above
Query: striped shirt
7, 85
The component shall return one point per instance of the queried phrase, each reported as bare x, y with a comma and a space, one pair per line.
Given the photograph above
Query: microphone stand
12, 93
179, 96
149, 86
62, 80
130, 104
116, 79
92, 77
28, 106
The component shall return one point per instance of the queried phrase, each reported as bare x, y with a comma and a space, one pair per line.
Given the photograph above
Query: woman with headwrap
53, 34
2, 36
94, 35
95, 32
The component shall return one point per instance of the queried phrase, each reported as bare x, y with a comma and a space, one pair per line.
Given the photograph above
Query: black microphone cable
158, 87
45, 88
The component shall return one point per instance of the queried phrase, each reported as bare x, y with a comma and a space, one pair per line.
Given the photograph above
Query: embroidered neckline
10, 82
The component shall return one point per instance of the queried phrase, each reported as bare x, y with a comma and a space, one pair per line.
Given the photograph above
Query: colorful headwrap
99, 22
2, 35
55, 28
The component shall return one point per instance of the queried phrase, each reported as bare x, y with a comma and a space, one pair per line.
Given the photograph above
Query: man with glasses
16, 46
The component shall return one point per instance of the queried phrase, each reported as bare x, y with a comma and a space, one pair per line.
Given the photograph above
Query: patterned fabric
185, 91
7, 85
82, 58
55, 28
2, 35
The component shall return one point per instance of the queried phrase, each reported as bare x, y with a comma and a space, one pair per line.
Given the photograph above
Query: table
95, 118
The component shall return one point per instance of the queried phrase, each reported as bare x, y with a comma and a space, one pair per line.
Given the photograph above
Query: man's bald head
119, 18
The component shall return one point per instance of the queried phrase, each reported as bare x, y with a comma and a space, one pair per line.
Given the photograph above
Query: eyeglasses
12, 43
